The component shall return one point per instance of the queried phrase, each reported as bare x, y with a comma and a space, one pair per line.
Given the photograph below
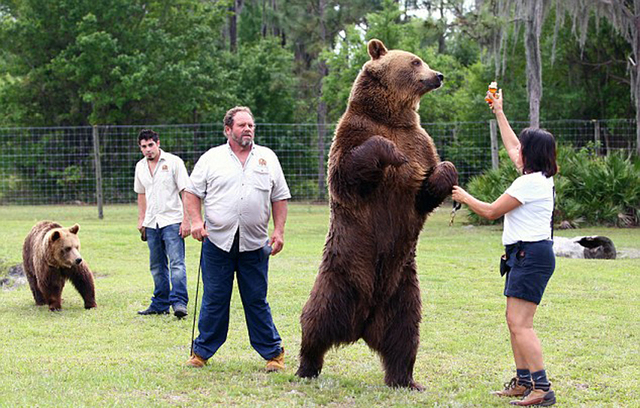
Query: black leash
195, 309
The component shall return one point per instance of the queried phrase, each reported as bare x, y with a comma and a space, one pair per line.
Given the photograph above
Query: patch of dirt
12, 278
628, 253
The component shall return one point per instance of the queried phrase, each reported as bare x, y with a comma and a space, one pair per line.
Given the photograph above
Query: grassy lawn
588, 322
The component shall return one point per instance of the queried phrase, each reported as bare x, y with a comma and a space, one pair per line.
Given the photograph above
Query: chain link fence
91, 165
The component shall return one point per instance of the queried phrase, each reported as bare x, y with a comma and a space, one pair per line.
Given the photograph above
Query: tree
531, 13
113, 61
624, 16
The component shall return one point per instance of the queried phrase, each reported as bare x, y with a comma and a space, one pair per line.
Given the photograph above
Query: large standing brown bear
384, 178
50, 256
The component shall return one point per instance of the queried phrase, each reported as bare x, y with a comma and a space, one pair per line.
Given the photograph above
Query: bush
591, 189
599, 190
490, 185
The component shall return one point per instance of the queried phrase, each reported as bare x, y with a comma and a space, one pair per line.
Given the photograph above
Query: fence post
96, 160
596, 136
321, 135
493, 130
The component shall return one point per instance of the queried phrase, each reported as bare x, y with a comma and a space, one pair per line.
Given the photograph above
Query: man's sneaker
196, 361
150, 311
538, 398
513, 389
276, 363
179, 311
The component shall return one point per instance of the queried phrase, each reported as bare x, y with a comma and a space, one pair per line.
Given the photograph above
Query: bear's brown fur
384, 178
50, 256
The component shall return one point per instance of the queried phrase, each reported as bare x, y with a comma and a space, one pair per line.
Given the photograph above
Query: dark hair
231, 113
146, 134
538, 148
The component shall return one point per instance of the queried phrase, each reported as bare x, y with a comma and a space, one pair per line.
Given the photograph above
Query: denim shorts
532, 264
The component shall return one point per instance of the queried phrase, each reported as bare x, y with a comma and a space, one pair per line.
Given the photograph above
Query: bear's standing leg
395, 333
82, 279
325, 324
33, 284
53, 294
30, 271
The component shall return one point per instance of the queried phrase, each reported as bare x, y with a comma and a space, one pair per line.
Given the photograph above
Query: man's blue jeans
166, 259
218, 269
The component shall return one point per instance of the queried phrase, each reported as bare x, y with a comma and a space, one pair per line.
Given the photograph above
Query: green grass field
588, 322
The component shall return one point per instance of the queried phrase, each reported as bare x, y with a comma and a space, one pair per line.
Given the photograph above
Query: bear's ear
55, 235
376, 49
74, 229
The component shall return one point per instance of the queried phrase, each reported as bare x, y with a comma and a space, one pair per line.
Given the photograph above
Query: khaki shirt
162, 189
237, 197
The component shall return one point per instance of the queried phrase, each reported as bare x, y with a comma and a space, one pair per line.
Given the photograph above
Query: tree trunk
635, 71
233, 29
322, 106
235, 10
534, 63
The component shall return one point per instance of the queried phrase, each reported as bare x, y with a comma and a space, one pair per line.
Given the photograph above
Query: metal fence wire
88, 165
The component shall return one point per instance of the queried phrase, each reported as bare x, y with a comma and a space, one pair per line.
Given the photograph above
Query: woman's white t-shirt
530, 221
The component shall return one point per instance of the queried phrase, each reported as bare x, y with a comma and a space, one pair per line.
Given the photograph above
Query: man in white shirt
160, 179
241, 185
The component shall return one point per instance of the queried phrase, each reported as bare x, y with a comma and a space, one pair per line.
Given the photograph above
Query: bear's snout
433, 82
78, 261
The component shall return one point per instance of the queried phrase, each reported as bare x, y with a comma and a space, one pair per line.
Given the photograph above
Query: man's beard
244, 142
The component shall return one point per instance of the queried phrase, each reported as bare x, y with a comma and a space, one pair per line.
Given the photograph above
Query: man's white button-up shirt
162, 189
236, 197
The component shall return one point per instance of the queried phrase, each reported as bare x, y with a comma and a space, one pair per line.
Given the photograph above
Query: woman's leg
527, 350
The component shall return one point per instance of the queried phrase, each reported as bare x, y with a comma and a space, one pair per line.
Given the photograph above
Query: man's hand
140, 227
276, 242
185, 229
199, 231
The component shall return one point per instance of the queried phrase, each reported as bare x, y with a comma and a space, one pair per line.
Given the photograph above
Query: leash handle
195, 309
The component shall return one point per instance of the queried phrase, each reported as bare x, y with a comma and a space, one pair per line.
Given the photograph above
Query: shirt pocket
262, 179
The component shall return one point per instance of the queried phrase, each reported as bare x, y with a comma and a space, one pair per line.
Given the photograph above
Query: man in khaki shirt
241, 185
160, 179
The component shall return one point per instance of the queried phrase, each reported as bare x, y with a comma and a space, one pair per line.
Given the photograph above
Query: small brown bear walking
50, 256
384, 177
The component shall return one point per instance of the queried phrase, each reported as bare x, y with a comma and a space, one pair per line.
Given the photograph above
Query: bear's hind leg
82, 280
33, 285
327, 320
395, 335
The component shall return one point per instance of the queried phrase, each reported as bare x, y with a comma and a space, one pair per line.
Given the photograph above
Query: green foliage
70, 62
490, 185
599, 190
344, 65
110, 61
590, 189
261, 79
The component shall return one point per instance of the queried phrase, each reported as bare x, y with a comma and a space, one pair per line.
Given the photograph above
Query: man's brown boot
538, 398
196, 361
276, 363
512, 389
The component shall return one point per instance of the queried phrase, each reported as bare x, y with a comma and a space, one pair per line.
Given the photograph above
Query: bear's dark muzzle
434, 82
